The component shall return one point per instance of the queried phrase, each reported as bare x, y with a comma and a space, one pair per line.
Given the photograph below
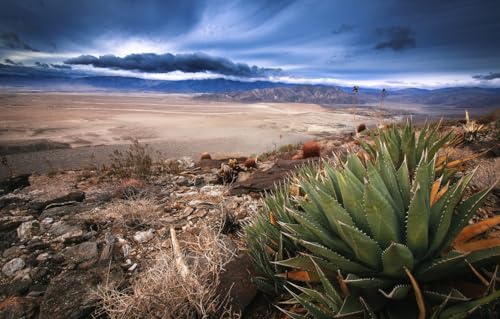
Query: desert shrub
374, 238
361, 127
162, 292
135, 162
133, 212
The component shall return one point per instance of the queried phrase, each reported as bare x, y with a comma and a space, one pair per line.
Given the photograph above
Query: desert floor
95, 124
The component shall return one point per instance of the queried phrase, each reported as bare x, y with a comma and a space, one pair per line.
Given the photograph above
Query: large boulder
70, 295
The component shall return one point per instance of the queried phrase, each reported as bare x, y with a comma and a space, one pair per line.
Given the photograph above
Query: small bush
205, 156
161, 292
136, 162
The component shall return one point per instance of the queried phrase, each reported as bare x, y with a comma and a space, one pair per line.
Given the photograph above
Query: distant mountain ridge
328, 95
257, 91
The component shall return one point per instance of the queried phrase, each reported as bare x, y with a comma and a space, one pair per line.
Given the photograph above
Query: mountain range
257, 91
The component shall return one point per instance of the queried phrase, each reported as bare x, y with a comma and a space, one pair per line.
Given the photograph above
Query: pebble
144, 236
13, 266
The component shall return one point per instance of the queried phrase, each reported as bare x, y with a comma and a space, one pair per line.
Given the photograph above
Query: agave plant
406, 144
373, 238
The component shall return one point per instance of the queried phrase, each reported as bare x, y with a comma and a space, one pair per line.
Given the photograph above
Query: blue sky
392, 43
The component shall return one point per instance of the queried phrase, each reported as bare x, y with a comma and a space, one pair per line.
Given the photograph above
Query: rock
212, 190
18, 308
12, 222
82, 253
236, 279
42, 257
108, 247
70, 295
13, 266
13, 251
266, 179
144, 236
67, 199
60, 228
11, 184
198, 180
27, 230
182, 181
17, 287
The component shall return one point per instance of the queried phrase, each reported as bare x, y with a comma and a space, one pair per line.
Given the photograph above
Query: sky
371, 43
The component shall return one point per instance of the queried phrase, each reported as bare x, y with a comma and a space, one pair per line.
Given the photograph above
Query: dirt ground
94, 124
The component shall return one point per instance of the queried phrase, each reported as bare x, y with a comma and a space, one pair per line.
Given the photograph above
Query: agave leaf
356, 166
317, 296
480, 256
417, 223
335, 258
397, 293
452, 296
476, 229
323, 235
351, 306
403, 176
369, 313
388, 173
395, 258
327, 285
464, 212
365, 283
315, 311
305, 262
450, 200
376, 180
364, 248
264, 284
352, 190
291, 314
478, 245
462, 310
440, 267
381, 217
410, 151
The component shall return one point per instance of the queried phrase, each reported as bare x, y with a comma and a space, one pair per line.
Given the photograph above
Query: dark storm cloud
42, 65
343, 28
60, 66
9, 61
58, 24
396, 38
164, 63
10, 40
488, 77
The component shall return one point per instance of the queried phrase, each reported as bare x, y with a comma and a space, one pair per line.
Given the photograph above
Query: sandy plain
94, 124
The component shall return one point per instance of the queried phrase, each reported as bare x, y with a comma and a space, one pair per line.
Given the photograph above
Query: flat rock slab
70, 295
236, 280
215, 163
10, 184
267, 179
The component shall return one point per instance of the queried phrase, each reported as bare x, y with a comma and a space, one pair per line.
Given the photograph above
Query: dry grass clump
488, 173
136, 161
162, 292
132, 212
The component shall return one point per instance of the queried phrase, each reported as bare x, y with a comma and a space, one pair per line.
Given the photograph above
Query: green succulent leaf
363, 247
366, 283
397, 293
417, 223
395, 258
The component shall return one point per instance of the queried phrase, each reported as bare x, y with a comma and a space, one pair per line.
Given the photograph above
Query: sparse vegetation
135, 162
161, 292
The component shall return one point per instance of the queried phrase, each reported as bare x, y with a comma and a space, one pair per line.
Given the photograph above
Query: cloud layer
164, 63
396, 38
487, 77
